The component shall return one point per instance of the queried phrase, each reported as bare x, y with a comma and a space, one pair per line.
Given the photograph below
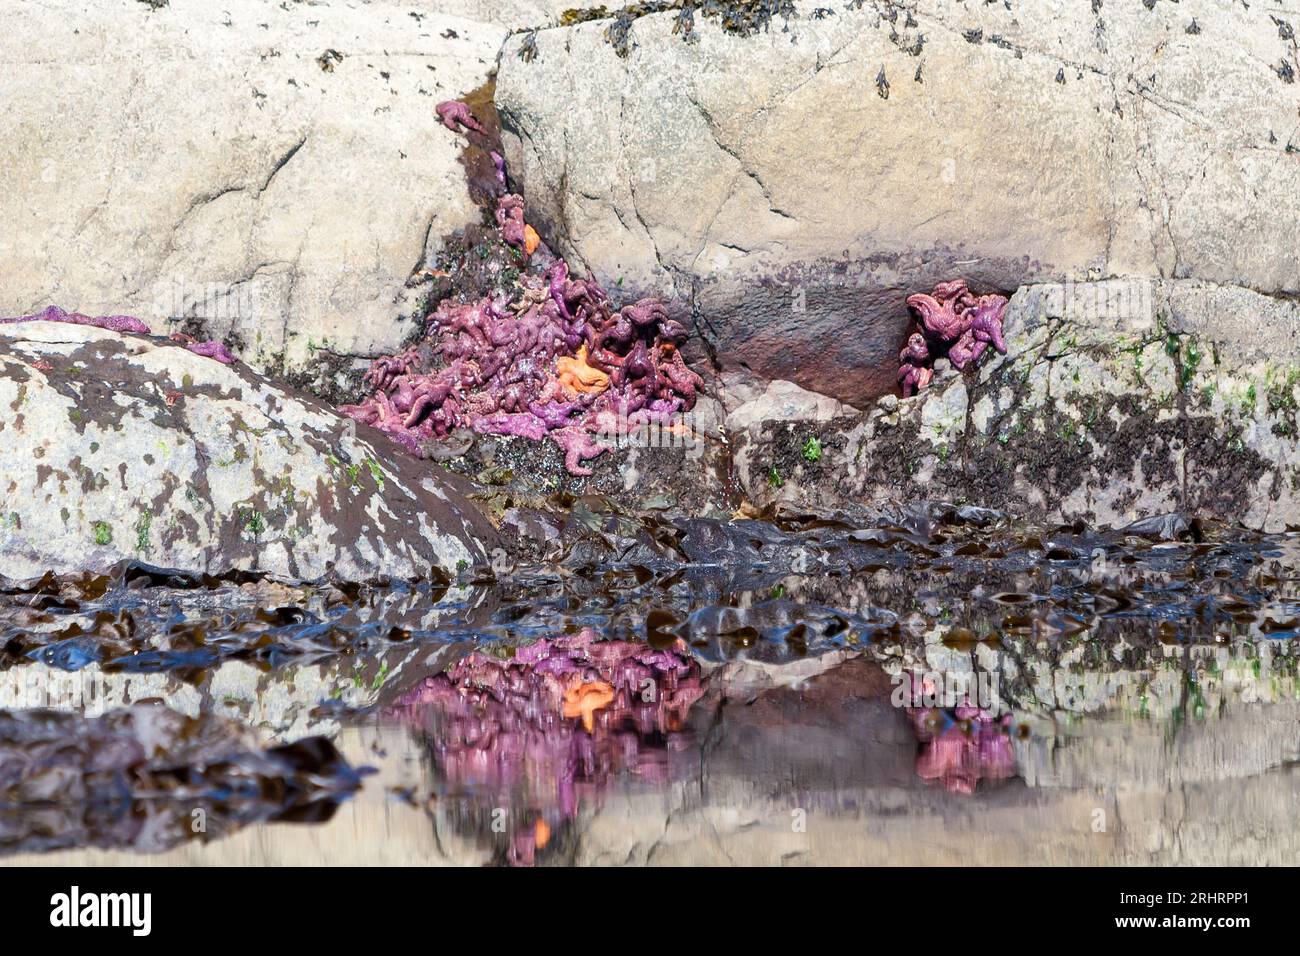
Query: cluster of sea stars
955, 319
558, 720
555, 360
124, 323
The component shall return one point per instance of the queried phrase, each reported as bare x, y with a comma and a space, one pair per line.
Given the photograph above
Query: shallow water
680, 692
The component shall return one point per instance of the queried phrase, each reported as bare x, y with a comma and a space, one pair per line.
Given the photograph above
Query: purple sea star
952, 321
578, 446
113, 323
556, 361
457, 117
124, 323
211, 349
913, 373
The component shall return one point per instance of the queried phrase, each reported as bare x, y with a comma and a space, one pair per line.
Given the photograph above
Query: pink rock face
556, 723
962, 746
494, 366
954, 319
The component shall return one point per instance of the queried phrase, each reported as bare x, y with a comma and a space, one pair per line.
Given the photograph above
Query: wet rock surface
120, 447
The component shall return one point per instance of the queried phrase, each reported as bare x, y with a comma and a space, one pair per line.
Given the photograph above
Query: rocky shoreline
1146, 368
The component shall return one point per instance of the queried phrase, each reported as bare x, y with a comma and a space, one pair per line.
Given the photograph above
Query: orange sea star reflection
583, 700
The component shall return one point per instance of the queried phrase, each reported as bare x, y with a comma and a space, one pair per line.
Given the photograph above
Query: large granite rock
121, 447
792, 187
269, 173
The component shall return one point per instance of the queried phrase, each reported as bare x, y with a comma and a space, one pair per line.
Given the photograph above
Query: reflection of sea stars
583, 700
577, 376
541, 833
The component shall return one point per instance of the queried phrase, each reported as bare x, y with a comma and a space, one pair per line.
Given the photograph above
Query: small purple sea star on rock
212, 349
578, 446
510, 219
112, 323
913, 373
456, 116
124, 323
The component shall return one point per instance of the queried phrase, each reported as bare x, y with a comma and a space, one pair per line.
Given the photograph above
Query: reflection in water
552, 724
713, 677
149, 778
963, 745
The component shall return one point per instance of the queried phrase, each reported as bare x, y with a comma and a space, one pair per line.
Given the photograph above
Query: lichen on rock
116, 447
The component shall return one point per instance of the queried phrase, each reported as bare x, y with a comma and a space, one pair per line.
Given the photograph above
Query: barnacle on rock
742, 17
528, 47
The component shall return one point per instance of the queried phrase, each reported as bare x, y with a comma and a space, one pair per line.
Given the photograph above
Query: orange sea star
577, 376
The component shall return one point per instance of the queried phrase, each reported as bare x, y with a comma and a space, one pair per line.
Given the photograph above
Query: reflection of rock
120, 447
285, 704
1156, 756
820, 772
825, 774
549, 727
150, 778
